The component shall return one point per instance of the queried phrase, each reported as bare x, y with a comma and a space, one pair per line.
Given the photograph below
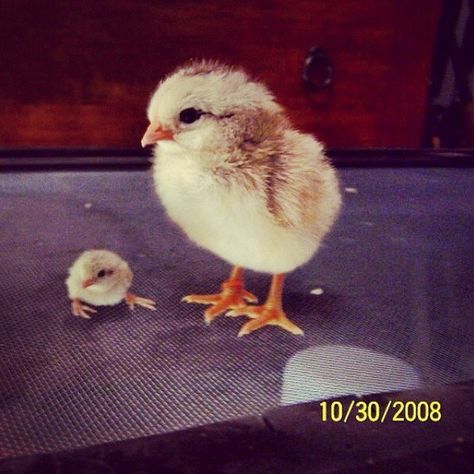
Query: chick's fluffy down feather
110, 292
246, 186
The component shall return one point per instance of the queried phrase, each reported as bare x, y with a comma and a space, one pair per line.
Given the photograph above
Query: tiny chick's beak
155, 132
88, 282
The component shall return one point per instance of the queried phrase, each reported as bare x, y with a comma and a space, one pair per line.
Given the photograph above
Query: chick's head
100, 270
207, 105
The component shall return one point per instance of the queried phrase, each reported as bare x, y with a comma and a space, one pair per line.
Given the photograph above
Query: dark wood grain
81, 73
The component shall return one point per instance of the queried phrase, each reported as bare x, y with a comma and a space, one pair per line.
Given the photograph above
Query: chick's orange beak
154, 133
88, 282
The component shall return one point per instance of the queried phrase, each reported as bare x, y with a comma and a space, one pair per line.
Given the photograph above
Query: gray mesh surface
397, 276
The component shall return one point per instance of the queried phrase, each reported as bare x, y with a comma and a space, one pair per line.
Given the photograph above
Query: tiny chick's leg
232, 296
270, 313
133, 300
80, 309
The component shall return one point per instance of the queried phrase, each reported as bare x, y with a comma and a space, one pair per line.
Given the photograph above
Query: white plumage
101, 278
234, 175
233, 222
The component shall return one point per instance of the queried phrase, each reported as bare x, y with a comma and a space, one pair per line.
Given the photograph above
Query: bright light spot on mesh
351, 190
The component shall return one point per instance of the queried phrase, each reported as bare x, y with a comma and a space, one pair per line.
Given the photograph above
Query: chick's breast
263, 211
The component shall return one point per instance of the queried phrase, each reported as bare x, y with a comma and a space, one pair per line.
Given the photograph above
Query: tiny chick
101, 278
240, 181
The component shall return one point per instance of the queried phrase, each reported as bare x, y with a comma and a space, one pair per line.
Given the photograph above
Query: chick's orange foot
133, 300
232, 296
264, 315
81, 310
268, 314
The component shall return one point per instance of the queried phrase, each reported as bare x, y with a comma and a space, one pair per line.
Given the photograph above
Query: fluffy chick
101, 278
240, 181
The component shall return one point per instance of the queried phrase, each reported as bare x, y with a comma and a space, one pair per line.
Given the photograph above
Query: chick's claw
202, 299
265, 316
133, 300
232, 296
80, 309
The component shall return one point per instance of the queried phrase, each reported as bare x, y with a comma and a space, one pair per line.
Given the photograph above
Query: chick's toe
133, 300
232, 296
80, 309
265, 316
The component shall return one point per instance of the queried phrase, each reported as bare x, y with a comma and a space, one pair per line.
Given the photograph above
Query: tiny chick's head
99, 270
204, 104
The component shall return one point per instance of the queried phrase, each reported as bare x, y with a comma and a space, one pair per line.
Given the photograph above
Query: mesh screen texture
396, 275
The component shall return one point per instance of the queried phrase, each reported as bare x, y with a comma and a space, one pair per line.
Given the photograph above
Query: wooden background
80, 73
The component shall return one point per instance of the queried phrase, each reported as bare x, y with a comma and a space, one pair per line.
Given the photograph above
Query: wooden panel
81, 73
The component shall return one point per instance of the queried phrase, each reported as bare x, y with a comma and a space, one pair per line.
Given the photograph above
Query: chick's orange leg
80, 309
133, 300
269, 314
232, 296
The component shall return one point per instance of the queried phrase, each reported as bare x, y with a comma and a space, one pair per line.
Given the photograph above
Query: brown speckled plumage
197, 67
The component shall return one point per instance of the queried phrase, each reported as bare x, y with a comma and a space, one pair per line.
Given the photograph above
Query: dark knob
317, 70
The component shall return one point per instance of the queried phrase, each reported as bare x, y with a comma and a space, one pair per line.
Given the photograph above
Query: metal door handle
318, 70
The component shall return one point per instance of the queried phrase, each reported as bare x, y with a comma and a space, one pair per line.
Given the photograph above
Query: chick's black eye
189, 115
101, 274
